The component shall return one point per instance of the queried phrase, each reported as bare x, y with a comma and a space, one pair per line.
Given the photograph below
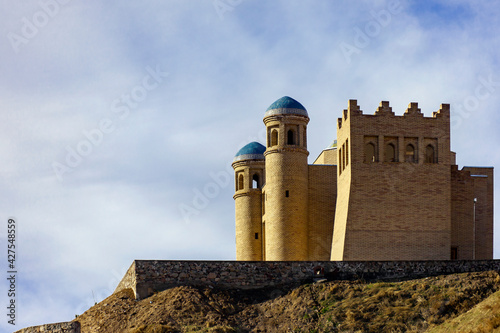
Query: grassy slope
337, 306
484, 317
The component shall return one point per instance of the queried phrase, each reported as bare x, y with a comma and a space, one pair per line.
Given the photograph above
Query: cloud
121, 202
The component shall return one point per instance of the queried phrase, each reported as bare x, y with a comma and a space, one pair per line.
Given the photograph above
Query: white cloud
122, 201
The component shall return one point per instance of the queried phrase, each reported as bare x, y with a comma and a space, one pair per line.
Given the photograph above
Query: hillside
484, 317
336, 306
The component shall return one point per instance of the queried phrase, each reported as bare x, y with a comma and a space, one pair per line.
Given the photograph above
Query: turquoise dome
252, 151
286, 105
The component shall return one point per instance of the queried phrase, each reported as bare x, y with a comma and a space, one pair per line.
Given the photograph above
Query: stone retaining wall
148, 276
67, 327
129, 280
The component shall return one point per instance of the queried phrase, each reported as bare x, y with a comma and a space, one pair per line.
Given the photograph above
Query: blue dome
286, 105
252, 151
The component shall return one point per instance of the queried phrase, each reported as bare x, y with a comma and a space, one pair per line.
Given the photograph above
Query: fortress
386, 203
387, 189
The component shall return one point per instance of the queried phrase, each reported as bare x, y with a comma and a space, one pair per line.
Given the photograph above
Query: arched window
290, 137
410, 154
390, 153
430, 157
370, 153
240, 182
274, 138
255, 181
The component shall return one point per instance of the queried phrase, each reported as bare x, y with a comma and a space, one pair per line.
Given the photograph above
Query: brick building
387, 189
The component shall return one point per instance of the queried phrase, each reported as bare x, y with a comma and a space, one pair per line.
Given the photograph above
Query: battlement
385, 110
388, 191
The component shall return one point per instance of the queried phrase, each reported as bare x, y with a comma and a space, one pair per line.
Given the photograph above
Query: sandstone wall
248, 209
322, 200
129, 280
285, 221
393, 206
483, 192
67, 327
156, 275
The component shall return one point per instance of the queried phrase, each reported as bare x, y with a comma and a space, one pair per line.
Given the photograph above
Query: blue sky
156, 97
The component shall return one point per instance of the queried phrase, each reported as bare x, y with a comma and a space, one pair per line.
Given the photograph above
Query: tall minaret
285, 195
248, 167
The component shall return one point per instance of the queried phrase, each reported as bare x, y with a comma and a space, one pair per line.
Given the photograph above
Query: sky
119, 122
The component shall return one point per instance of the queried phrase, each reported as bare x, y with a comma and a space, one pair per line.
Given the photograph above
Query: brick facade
396, 210
388, 190
286, 190
248, 201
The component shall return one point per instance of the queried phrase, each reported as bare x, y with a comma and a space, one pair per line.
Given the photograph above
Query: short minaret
248, 165
285, 195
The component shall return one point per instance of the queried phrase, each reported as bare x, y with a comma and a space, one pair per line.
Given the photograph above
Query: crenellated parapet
444, 112
413, 110
385, 110
388, 189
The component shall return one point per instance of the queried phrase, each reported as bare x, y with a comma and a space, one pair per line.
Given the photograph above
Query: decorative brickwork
397, 209
248, 201
387, 189
286, 189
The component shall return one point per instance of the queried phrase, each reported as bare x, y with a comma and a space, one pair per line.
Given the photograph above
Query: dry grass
484, 317
342, 306
409, 306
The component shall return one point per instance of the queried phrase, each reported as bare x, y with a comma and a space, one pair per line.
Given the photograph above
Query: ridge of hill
484, 317
334, 306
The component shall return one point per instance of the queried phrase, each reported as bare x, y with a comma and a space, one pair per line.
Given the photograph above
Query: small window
274, 137
240, 182
304, 137
255, 181
410, 154
340, 160
429, 154
370, 153
454, 253
290, 137
264, 204
343, 157
390, 153
287, 193
346, 151
256, 235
